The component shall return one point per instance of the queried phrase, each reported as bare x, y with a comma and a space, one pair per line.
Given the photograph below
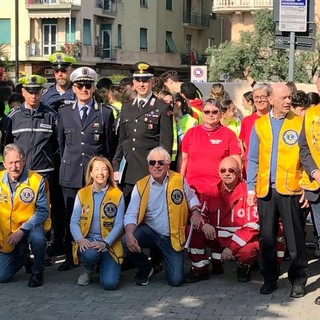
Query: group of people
163, 170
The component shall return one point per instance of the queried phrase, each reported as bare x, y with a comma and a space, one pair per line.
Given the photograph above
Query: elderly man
61, 91
85, 129
156, 218
229, 227
273, 175
24, 217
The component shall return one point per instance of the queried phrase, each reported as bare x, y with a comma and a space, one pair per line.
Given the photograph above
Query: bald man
273, 174
229, 227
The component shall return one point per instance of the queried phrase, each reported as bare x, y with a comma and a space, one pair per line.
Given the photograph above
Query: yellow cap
33, 82
60, 60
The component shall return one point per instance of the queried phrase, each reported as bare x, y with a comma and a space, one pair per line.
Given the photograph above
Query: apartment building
109, 35
237, 15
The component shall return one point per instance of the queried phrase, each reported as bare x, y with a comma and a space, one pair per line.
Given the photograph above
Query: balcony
196, 21
108, 7
51, 8
230, 6
192, 59
108, 54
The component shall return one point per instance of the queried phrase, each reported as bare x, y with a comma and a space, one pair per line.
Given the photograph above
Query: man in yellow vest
156, 218
309, 143
24, 217
273, 175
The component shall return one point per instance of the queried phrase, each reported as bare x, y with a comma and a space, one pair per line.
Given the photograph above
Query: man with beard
61, 91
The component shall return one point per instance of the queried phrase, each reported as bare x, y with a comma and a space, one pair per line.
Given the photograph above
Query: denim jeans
173, 260
109, 270
11, 263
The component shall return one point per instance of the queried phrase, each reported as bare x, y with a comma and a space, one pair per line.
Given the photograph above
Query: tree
4, 58
257, 50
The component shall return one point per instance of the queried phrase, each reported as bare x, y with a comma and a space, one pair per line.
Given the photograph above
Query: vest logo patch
177, 196
110, 209
290, 137
27, 195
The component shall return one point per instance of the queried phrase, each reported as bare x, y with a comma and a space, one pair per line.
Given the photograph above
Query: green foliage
256, 50
4, 58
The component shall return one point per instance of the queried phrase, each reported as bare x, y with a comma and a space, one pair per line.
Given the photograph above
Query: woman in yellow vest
97, 224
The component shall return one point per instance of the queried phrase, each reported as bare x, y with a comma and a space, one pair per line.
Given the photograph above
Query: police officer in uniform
61, 91
85, 129
145, 123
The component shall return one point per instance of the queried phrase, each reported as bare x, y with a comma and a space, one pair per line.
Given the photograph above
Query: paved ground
221, 297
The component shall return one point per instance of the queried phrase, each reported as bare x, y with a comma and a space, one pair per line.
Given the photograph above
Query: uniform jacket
79, 144
108, 211
176, 204
140, 132
289, 168
229, 213
36, 134
26, 208
53, 99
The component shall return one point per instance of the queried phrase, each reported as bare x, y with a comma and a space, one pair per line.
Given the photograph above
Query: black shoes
217, 268
298, 291
66, 265
243, 273
143, 276
36, 280
192, 278
268, 287
317, 301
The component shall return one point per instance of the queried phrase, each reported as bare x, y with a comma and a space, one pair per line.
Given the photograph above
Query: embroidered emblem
177, 196
110, 209
27, 195
46, 126
290, 137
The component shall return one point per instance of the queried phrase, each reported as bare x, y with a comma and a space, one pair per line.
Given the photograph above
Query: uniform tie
141, 104
84, 115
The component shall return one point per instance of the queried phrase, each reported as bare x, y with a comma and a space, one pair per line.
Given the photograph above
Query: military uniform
53, 99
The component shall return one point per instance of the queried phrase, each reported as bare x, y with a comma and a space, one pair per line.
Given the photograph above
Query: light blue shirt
156, 216
94, 233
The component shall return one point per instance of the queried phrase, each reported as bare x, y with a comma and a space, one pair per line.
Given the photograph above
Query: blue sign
293, 3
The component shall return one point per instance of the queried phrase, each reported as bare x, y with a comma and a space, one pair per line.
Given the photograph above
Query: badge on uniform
96, 137
3, 197
27, 195
150, 126
177, 196
110, 209
96, 125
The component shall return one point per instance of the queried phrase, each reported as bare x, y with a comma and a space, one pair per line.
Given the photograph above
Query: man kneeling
229, 227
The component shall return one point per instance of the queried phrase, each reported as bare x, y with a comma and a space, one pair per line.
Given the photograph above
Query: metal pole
291, 56
17, 40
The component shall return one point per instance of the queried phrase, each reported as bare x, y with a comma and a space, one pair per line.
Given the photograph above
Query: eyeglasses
60, 70
230, 170
152, 163
207, 112
81, 85
262, 98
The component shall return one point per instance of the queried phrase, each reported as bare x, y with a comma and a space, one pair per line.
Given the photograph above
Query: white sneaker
84, 278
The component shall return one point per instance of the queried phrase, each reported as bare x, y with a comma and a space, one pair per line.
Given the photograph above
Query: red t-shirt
205, 150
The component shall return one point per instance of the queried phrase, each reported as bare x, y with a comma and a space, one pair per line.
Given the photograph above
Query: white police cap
83, 74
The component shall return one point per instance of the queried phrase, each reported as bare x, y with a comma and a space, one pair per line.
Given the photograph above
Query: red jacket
236, 223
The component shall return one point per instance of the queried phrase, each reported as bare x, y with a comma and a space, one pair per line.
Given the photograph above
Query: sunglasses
60, 70
152, 163
207, 112
230, 170
81, 85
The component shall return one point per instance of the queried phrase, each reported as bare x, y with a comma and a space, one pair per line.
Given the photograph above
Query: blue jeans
173, 260
109, 270
11, 263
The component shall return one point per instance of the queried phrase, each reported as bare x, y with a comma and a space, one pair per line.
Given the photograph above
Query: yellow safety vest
289, 168
312, 131
176, 204
15, 212
108, 211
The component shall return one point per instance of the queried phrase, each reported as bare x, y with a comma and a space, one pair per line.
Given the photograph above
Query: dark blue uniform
53, 99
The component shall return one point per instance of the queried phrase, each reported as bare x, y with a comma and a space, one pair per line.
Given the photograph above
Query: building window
71, 35
170, 46
119, 36
49, 33
143, 39
144, 3
169, 5
87, 32
5, 27
188, 43
210, 42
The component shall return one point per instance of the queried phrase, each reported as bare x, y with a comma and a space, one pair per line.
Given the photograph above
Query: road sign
293, 15
198, 73
311, 31
301, 43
